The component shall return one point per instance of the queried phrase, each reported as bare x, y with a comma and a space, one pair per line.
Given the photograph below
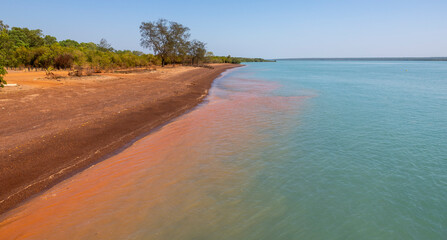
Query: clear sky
269, 29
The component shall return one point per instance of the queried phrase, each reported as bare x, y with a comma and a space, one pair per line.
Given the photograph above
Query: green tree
44, 57
179, 40
89, 46
22, 57
197, 51
49, 40
26, 37
69, 43
167, 39
6, 47
2, 73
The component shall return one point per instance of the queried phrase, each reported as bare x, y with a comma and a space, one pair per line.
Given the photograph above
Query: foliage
168, 40
242, 59
25, 48
210, 58
30, 48
49, 40
27, 38
2, 73
197, 51
49, 72
69, 43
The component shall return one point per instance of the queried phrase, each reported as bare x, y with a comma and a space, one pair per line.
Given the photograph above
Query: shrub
49, 73
65, 60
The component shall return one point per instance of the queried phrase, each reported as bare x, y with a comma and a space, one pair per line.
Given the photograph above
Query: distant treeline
242, 59
236, 60
370, 59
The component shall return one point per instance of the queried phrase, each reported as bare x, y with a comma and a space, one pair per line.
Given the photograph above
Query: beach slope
53, 129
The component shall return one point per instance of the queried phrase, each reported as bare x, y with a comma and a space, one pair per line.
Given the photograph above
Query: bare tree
167, 39
3, 26
105, 46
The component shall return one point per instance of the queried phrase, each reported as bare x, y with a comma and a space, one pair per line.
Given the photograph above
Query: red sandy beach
52, 129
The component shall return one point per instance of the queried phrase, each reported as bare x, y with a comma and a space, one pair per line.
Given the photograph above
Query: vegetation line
25, 49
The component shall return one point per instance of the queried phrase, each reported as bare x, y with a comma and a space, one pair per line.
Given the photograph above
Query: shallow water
286, 150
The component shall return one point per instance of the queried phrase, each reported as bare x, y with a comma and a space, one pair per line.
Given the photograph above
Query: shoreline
109, 120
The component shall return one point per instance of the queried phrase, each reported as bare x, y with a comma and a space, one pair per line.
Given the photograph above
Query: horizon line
366, 58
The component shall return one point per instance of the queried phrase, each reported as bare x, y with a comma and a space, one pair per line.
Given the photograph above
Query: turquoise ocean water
362, 156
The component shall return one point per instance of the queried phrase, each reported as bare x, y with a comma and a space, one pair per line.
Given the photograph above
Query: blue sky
269, 29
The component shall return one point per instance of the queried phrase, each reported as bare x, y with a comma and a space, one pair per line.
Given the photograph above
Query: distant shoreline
368, 59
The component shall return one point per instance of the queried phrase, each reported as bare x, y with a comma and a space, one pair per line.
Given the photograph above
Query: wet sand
52, 129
